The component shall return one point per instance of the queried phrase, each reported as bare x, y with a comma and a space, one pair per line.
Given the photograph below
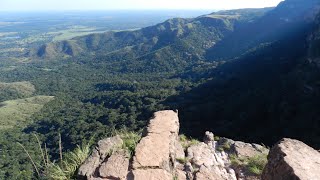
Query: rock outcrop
106, 146
242, 149
292, 159
157, 149
162, 154
116, 167
154, 155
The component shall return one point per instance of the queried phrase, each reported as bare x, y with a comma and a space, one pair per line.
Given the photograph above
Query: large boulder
116, 167
202, 154
105, 147
208, 163
292, 159
246, 150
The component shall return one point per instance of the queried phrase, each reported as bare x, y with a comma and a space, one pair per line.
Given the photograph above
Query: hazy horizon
96, 5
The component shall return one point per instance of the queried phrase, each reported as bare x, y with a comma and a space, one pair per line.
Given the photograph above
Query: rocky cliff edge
163, 154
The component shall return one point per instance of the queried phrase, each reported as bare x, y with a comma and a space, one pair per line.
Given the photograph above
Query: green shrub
66, 168
187, 142
193, 142
183, 138
257, 163
130, 141
226, 146
220, 149
253, 165
255, 170
235, 160
182, 160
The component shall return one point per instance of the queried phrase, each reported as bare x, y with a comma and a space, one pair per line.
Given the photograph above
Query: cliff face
162, 154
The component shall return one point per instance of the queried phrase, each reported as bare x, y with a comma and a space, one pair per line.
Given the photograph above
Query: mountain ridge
150, 38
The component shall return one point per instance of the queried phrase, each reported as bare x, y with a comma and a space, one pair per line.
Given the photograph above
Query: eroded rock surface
105, 146
150, 174
292, 159
247, 150
154, 149
215, 173
116, 167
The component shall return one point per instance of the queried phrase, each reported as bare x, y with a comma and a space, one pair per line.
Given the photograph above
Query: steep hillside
169, 46
270, 92
287, 19
314, 43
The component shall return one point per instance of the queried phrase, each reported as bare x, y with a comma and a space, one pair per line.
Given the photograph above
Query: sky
44, 5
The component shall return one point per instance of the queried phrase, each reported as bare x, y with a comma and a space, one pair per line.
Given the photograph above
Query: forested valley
259, 89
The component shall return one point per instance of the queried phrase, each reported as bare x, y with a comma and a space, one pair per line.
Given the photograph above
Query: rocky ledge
162, 154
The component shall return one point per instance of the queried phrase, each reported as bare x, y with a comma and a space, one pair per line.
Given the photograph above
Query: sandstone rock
173, 150
214, 173
96, 178
116, 166
179, 151
223, 141
208, 138
292, 159
188, 167
189, 170
90, 165
242, 149
154, 149
100, 178
222, 157
231, 174
107, 145
98, 155
201, 154
150, 174
180, 175
157, 153
179, 166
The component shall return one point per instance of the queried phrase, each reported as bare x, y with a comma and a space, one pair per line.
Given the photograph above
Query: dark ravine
163, 155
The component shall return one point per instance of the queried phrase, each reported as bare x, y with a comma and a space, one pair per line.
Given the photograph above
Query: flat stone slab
153, 151
150, 174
